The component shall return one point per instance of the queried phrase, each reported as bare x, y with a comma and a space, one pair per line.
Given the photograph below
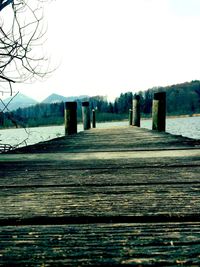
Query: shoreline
142, 118
183, 116
176, 116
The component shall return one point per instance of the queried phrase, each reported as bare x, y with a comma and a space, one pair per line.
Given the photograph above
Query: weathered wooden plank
158, 244
98, 156
122, 200
28, 176
110, 140
110, 160
106, 146
108, 196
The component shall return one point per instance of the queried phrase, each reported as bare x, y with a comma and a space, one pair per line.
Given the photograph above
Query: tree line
181, 99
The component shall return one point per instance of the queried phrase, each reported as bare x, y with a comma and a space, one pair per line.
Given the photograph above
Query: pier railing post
136, 111
93, 118
86, 115
130, 116
1, 118
159, 111
70, 118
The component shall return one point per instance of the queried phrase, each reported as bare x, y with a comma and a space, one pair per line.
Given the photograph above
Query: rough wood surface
30, 176
110, 140
140, 200
112, 197
152, 244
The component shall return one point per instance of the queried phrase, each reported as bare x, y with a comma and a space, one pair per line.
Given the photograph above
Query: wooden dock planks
112, 197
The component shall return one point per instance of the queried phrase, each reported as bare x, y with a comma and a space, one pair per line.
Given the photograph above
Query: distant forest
181, 99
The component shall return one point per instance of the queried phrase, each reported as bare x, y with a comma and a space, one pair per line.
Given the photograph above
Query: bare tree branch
21, 41
22, 35
4, 3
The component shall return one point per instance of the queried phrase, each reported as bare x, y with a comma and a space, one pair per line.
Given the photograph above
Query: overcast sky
105, 47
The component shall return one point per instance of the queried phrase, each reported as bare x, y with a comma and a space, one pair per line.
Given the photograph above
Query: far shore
142, 118
176, 116
184, 116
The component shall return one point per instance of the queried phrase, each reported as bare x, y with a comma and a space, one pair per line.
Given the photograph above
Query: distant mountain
19, 101
23, 101
55, 98
73, 98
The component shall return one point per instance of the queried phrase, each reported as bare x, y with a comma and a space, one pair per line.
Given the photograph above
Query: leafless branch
22, 35
21, 40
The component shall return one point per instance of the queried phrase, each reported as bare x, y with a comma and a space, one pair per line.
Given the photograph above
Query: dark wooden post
93, 118
159, 111
70, 118
1, 118
130, 116
136, 111
86, 115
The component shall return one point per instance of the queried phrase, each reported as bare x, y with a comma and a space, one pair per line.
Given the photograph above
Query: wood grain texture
121, 196
157, 244
143, 200
110, 140
30, 176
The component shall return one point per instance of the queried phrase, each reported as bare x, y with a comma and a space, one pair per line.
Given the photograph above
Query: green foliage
104, 117
181, 98
123, 103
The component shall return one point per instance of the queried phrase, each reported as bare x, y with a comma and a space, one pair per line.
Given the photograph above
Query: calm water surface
189, 127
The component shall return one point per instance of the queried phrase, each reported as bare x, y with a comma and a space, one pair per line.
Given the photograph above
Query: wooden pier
114, 197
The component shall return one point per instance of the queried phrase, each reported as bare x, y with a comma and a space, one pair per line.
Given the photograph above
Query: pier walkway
114, 197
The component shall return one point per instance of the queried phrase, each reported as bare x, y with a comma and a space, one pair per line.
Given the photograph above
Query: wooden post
159, 111
70, 118
1, 118
136, 111
93, 118
130, 116
86, 115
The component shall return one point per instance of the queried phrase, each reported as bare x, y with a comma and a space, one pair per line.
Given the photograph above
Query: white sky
105, 47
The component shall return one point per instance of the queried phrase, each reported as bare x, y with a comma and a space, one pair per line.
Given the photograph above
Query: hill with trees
181, 99
55, 98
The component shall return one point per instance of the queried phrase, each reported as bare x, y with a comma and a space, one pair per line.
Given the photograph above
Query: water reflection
189, 126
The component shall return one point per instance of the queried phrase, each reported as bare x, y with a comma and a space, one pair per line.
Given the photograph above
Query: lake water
189, 126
